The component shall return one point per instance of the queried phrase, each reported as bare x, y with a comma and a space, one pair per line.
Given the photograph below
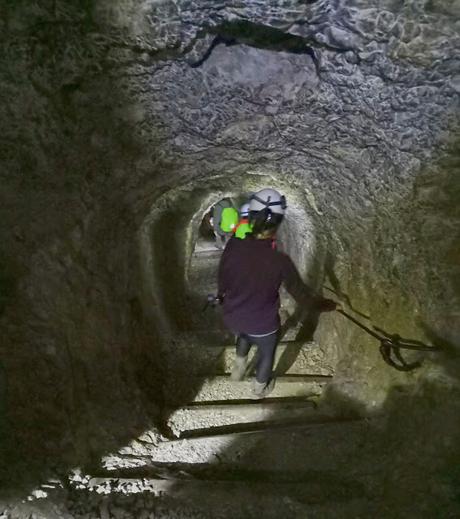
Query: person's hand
214, 300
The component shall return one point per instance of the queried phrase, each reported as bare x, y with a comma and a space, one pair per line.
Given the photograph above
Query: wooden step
223, 339
283, 379
221, 387
263, 427
248, 404
218, 413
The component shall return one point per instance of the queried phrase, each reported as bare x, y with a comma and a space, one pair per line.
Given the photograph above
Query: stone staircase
202, 402
220, 402
220, 405
238, 455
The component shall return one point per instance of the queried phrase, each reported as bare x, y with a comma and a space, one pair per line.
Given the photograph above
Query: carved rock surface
122, 122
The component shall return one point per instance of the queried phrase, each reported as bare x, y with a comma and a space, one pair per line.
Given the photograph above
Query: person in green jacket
224, 221
243, 227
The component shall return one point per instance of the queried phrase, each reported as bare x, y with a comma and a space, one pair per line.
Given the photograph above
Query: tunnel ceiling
314, 86
350, 107
344, 101
336, 92
341, 92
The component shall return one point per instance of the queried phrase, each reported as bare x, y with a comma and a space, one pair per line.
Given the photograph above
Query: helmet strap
267, 203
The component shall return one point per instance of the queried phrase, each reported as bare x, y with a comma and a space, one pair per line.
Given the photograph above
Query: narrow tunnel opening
206, 238
198, 350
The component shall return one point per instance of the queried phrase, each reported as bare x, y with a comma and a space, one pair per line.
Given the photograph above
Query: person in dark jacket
250, 275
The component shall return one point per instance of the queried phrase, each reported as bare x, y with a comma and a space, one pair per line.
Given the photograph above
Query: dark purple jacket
250, 275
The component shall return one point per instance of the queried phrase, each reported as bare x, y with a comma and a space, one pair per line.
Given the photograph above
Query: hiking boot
262, 389
239, 368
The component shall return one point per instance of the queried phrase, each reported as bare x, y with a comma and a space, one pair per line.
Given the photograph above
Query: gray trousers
266, 347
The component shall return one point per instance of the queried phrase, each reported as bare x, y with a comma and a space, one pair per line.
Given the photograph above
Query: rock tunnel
122, 122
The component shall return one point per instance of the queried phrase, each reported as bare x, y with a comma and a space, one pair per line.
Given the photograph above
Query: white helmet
244, 210
268, 199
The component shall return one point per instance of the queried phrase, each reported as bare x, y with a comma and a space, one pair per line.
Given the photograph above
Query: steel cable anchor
391, 344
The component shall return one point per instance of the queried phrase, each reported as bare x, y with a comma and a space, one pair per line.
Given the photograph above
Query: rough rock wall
350, 117
74, 334
112, 104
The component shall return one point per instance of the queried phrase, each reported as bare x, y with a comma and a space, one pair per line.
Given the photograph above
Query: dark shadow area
169, 264
195, 326
449, 354
8, 282
205, 231
244, 32
448, 348
309, 321
384, 461
80, 376
341, 489
336, 289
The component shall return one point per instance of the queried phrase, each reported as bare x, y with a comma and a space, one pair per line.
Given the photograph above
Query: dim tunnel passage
203, 404
199, 355
123, 123
207, 419
207, 431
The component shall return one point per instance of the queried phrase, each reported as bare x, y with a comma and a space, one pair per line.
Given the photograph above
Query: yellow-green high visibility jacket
242, 229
